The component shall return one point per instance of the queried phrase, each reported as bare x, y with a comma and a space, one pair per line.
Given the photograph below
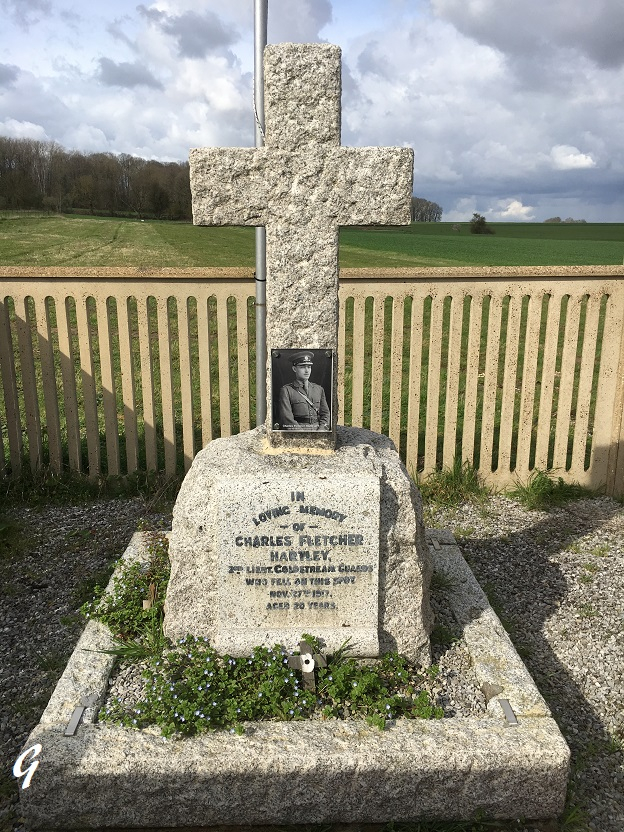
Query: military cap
305, 357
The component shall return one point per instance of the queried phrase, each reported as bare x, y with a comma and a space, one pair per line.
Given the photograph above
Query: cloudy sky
514, 109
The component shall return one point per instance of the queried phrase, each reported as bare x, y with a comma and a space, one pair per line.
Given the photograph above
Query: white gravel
556, 579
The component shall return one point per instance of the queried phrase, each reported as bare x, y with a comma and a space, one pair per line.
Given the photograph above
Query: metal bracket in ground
510, 716
74, 720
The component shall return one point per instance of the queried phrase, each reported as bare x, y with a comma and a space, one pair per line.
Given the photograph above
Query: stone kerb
304, 772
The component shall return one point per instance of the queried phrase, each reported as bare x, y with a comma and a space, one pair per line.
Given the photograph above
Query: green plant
191, 688
574, 819
13, 541
53, 662
462, 532
441, 582
458, 484
45, 486
122, 610
543, 492
149, 642
443, 636
478, 225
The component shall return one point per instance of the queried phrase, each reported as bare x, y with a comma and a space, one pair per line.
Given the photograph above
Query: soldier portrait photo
298, 402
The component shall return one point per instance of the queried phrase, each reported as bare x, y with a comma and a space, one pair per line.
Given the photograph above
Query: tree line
425, 211
42, 175
38, 175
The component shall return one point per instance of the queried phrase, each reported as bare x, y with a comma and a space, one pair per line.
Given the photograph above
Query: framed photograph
301, 390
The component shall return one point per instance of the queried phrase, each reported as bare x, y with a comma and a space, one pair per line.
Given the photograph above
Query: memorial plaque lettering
294, 558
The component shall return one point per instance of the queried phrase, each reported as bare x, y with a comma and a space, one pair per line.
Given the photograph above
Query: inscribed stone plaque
298, 555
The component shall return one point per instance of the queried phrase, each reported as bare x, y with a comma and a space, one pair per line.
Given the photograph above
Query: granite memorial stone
277, 534
302, 185
318, 529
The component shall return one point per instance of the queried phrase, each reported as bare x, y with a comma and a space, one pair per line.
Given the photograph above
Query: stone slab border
301, 772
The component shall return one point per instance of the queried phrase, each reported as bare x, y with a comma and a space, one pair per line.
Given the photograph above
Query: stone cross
302, 185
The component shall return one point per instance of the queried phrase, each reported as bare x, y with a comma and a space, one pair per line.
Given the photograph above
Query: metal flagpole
260, 39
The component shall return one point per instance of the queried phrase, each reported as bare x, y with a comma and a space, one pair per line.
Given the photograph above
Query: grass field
39, 240
49, 240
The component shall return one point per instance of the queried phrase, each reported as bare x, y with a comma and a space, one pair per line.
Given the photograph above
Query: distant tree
553, 219
425, 211
478, 225
36, 174
571, 220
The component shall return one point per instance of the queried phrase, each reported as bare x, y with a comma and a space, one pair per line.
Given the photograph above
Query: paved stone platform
306, 772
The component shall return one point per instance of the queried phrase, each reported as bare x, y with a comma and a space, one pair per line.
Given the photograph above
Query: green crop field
32, 239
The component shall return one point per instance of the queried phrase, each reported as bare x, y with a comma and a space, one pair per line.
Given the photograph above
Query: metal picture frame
292, 411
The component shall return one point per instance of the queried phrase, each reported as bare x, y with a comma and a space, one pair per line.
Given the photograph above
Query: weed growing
12, 540
542, 492
452, 486
46, 486
190, 688
122, 610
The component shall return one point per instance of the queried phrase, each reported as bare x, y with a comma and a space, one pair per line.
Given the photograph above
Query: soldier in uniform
302, 404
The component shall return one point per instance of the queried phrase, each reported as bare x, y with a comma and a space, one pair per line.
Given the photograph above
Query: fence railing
107, 371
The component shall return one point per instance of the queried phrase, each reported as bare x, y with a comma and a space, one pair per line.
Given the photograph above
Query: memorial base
266, 547
305, 772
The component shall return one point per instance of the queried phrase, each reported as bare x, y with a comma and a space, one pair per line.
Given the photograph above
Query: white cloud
566, 157
505, 104
511, 211
22, 130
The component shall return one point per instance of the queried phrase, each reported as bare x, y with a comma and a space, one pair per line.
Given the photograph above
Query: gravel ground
556, 579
